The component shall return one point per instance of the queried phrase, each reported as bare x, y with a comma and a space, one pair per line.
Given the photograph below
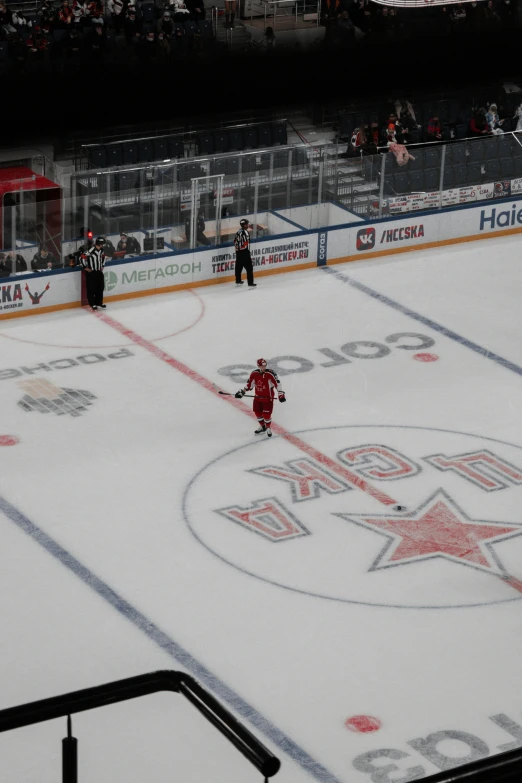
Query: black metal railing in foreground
502, 768
131, 688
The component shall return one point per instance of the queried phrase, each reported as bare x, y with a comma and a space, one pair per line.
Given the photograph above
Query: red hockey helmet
261, 362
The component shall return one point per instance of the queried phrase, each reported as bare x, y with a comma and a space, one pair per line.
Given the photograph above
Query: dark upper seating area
213, 142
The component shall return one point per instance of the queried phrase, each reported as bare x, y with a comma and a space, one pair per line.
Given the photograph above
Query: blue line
425, 321
172, 648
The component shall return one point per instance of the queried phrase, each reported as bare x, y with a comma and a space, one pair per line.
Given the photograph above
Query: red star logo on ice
438, 528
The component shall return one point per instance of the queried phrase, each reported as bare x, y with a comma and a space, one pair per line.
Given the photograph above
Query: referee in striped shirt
243, 257
93, 261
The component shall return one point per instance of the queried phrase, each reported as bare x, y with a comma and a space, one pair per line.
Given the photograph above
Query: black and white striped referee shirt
242, 240
94, 258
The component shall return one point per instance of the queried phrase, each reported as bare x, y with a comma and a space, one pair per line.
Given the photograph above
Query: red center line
332, 465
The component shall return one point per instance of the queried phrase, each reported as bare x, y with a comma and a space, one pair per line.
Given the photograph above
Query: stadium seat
264, 136
176, 148
417, 181
474, 173
129, 152
457, 153
97, 157
504, 146
248, 164
432, 157
148, 13
461, 130
60, 36
459, 175
221, 141
161, 149
235, 140
491, 148
205, 27
346, 125
448, 178
190, 29
401, 183
492, 170
127, 180
264, 163
518, 166
431, 179
114, 155
507, 168
250, 138
417, 164
205, 144
279, 134
146, 151
477, 151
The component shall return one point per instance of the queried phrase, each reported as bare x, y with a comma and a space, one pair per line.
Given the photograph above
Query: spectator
43, 260
73, 47
47, 12
330, 10
200, 229
458, 15
71, 260
269, 41
115, 8
108, 247
434, 129
166, 25
6, 19
346, 28
20, 264
490, 15
478, 125
391, 138
65, 14
493, 120
196, 9
132, 27
358, 140
4, 271
374, 137
95, 43
178, 43
129, 245
506, 13
37, 49
93, 8
148, 50
230, 12
405, 114
180, 11
164, 49
79, 11
384, 23
518, 116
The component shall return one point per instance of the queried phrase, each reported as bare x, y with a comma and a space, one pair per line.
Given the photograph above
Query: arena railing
69, 704
153, 202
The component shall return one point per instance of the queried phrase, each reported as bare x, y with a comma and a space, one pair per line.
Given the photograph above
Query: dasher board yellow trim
361, 255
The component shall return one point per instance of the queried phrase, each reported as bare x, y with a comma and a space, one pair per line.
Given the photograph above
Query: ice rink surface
144, 526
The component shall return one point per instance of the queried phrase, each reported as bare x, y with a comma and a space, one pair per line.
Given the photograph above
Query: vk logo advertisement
365, 239
321, 248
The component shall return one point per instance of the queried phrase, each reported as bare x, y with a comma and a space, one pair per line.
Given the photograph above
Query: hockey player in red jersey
266, 385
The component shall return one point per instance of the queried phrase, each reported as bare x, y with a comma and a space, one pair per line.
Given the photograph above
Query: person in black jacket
43, 260
200, 229
93, 262
128, 244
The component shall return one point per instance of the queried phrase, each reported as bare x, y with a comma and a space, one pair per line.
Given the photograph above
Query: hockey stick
232, 394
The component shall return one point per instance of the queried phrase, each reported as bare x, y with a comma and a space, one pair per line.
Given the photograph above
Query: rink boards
294, 250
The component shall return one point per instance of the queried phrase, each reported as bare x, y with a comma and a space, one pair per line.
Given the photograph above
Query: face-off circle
311, 526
